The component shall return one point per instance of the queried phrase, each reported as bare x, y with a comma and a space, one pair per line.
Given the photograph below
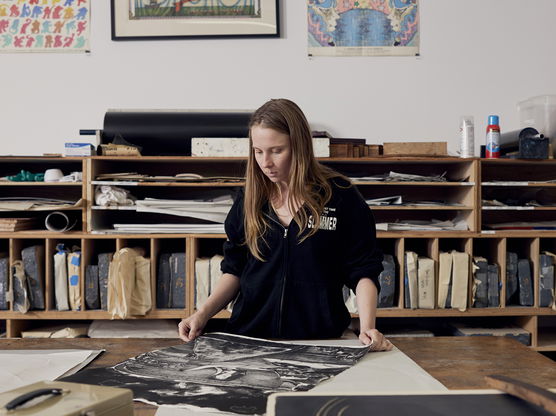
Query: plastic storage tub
539, 112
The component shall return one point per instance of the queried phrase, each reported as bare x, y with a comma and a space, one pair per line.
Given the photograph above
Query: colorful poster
44, 25
147, 9
363, 27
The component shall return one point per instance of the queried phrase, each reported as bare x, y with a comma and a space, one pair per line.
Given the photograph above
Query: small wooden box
416, 149
341, 150
373, 150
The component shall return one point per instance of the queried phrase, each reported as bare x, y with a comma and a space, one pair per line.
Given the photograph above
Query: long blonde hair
308, 181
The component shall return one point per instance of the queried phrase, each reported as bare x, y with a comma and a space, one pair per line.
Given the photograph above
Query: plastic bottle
493, 138
467, 137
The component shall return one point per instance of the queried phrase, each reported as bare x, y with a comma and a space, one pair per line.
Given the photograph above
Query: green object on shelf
26, 176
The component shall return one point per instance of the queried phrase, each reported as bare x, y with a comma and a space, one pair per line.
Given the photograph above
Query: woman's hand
375, 340
192, 326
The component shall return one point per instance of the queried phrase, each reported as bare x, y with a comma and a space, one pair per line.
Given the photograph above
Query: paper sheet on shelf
21, 367
377, 372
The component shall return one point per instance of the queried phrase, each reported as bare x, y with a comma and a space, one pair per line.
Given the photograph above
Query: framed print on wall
180, 19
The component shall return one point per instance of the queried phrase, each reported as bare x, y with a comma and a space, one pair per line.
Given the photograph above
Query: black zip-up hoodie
296, 293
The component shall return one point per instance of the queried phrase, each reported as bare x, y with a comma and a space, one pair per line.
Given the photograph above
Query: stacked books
16, 224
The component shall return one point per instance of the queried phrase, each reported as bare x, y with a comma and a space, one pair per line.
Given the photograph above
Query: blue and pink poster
44, 25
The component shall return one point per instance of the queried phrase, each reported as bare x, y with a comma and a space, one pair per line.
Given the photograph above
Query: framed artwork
180, 19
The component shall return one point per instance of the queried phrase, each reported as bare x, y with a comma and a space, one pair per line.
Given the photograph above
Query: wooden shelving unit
468, 181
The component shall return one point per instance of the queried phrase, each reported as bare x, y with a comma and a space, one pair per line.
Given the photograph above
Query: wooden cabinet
456, 197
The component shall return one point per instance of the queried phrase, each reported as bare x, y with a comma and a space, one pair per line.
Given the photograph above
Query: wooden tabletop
457, 362
462, 362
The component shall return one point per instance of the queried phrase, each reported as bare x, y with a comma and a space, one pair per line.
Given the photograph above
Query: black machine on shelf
526, 143
169, 132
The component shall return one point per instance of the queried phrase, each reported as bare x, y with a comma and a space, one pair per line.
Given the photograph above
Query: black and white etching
224, 372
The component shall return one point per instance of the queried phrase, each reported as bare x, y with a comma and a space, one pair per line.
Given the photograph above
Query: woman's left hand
375, 340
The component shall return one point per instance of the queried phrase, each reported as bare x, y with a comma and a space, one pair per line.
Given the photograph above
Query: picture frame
193, 19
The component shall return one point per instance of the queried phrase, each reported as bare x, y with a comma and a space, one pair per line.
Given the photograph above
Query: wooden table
457, 362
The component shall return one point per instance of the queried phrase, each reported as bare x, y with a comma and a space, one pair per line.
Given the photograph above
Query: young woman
297, 234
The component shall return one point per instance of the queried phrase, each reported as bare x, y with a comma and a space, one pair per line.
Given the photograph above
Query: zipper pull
285, 232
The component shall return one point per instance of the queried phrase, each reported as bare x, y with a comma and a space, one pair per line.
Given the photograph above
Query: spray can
467, 137
493, 138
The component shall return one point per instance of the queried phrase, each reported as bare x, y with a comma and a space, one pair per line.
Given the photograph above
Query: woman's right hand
192, 326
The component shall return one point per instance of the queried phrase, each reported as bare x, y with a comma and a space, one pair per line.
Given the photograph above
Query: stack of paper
36, 204
215, 209
416, 225
169, 228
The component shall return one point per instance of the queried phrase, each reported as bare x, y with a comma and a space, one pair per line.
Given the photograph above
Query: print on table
224, 372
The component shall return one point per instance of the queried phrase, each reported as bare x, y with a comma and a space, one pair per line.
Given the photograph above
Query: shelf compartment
494, 251
509, 170
5, 282
70, 245
169, 166
63, 192
491, 219
15, 253
163, 247
546, 333
183, 193
410, 207
529, 249
105, 223
92, 248
462, 195
520, 197
201, 248
357, 182
170, 184
10, 166
395, 216
457, 170
395, 248
47, 184
519, 208
519, 184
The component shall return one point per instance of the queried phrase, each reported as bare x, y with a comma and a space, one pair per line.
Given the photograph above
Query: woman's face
272, 152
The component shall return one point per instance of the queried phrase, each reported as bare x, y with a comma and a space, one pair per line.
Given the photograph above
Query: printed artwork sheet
224, 373
44, 25
363, 27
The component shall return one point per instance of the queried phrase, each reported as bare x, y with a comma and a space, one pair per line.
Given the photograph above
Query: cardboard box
78, 149
415, 149
119, 150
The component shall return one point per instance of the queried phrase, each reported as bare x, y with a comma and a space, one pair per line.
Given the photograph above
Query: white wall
478, 57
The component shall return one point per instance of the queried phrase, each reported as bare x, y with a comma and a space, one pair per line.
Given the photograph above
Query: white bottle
467, 137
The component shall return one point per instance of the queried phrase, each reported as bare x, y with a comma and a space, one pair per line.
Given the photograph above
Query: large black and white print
224, 372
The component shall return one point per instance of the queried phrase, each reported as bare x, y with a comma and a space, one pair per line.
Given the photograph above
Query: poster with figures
363, 27
44, 25
224, 373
